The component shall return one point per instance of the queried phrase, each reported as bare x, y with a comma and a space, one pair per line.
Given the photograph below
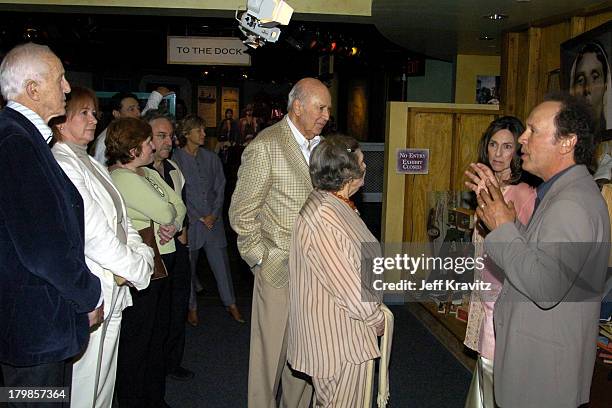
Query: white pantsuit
106, 256
84, 369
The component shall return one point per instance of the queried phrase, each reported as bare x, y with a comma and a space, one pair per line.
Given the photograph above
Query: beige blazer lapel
293, 152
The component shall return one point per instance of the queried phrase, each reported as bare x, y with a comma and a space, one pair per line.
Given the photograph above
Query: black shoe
181, 374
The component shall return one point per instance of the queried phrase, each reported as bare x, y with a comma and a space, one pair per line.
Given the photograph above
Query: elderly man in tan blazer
273, 184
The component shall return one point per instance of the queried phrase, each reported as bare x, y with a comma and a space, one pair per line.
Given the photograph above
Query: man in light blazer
273, 184
547, 313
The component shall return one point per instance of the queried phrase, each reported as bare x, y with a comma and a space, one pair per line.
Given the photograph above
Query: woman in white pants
114, 251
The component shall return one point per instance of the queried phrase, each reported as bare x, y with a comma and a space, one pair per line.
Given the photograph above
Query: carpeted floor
422, 373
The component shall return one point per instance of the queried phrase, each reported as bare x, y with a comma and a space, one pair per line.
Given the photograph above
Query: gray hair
298, 92
334, 162
154, 114
21, 64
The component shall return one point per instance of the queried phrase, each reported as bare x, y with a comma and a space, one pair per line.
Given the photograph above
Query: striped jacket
329, 322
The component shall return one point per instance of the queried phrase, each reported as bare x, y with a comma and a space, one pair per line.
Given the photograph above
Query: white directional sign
207, 51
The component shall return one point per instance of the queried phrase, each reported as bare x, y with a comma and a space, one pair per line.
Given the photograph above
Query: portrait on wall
585, 72
487, 89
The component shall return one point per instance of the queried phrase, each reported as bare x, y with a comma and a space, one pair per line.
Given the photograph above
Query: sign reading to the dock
412, 161
207, 51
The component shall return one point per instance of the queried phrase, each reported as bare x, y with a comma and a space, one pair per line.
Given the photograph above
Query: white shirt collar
33, 117
302, 141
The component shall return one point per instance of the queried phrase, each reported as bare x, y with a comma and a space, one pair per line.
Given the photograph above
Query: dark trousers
141, 365
43, 375
180, 280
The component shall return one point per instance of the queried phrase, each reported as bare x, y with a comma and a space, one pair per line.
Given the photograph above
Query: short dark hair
186, 125
117, 98
575, 117
334, 162
123, 135
514, 126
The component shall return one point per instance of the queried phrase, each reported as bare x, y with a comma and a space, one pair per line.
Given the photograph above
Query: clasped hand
493, 210
209, 221
166, 233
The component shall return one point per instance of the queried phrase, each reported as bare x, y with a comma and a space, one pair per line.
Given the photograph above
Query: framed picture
585, 72
487, 89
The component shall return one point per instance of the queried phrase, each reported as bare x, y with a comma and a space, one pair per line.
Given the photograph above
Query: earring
61, 127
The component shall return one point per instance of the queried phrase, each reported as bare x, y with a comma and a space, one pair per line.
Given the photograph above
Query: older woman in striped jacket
332, 329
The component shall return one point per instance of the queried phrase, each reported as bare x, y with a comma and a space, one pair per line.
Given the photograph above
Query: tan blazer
330, 320
273, 183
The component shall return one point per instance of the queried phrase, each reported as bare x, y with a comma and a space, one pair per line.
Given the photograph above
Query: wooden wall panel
552, 36
597, 20
534, 74
577, 25
469, 130
433, 131
509, 71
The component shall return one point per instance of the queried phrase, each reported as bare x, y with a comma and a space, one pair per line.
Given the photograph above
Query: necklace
348, 201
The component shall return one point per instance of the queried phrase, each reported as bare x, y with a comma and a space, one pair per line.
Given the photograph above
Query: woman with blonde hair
205, 192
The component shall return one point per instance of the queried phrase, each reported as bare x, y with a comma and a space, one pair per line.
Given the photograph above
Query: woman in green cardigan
141, 371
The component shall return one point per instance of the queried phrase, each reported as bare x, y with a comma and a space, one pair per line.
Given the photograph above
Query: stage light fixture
259, 22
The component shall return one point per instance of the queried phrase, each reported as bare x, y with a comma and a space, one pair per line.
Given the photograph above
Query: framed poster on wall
230, 99
207, 104
585, 72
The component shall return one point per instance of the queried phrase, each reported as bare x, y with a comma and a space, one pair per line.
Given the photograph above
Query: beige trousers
268, 354
346, 389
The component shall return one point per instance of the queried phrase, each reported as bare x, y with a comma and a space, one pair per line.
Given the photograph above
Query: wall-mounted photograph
585, 72
487, 89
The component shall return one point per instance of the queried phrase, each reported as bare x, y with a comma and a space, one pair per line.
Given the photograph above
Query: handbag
148, 237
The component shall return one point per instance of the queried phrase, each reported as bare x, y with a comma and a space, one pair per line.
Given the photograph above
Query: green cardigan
150, 198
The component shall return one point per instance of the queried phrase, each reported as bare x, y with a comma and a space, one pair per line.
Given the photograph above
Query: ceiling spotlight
496, 17
258, 23
486, 38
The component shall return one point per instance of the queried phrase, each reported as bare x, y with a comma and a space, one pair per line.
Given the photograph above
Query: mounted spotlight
258, 23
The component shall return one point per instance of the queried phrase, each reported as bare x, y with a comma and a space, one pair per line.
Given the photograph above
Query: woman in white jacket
113, 248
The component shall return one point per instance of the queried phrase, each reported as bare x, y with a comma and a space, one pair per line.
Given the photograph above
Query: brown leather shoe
192, 317
235, 313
